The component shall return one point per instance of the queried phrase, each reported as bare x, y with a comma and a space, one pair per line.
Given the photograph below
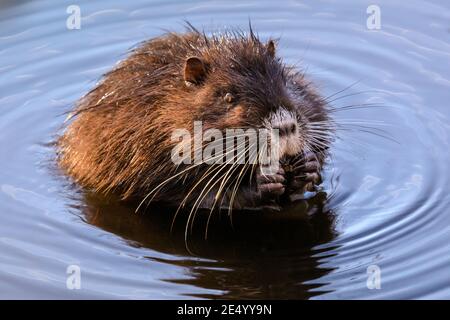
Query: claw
271, 185
305, 175
311, 166
272, 188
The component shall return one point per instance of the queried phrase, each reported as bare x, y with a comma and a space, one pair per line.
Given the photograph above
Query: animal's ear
194, 70
271, 48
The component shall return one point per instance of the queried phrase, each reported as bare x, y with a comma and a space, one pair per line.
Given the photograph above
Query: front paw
271, 185
306, 175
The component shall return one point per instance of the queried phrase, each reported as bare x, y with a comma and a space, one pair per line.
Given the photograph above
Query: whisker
217, 168
340, 91
204, 193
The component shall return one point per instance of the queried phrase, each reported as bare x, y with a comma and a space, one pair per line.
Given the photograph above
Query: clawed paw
271, 185
306, 173
296, 175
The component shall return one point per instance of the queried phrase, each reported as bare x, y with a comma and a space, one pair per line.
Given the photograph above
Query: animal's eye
228, 98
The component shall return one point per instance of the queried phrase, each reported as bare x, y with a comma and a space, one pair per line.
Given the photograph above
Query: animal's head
237, 81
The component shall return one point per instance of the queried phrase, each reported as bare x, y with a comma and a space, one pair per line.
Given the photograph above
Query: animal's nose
286, 129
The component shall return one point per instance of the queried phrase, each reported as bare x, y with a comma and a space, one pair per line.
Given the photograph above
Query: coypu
120, 139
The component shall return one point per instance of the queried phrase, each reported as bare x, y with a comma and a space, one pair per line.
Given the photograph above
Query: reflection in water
259, 255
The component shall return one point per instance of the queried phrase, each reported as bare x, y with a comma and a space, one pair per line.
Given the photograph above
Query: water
386, 202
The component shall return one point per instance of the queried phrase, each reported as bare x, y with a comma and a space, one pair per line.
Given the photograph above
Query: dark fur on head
120, 138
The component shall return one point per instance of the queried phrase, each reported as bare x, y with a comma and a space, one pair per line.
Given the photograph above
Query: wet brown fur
119, 140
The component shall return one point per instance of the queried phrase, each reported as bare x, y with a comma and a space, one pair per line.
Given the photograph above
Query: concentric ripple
386, 184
